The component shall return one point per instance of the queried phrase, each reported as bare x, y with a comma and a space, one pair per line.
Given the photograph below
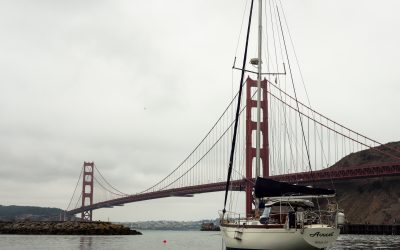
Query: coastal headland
65, 228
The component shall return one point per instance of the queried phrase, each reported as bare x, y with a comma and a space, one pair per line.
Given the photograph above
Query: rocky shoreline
65, 228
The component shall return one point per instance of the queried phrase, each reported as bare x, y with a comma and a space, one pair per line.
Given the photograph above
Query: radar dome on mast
254, 61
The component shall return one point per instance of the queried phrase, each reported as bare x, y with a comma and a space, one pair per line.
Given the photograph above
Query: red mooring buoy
164, 241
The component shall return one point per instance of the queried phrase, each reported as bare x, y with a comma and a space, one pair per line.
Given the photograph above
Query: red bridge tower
87, 189
250, 127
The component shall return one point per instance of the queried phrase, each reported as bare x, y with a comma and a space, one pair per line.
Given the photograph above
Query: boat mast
258, 134
231, 157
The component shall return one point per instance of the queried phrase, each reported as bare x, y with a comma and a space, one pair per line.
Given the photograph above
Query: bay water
168, 240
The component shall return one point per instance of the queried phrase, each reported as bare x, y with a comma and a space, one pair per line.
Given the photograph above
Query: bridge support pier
87, 190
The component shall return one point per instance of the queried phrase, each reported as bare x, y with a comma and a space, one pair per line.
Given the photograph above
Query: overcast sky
134, 86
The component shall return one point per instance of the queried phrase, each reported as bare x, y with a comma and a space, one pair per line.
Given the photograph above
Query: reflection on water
367, 242
85, 242
174, 240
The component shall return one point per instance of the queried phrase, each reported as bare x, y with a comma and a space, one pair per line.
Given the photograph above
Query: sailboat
285, 216
290, 220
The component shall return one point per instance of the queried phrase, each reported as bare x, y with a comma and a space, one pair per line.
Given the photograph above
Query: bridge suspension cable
76, 186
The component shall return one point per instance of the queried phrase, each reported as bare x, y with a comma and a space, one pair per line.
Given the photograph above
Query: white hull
317, 237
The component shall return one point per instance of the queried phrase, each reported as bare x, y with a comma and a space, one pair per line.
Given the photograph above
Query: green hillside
9, 213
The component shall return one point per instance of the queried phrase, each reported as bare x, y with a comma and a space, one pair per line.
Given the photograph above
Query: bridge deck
365, 171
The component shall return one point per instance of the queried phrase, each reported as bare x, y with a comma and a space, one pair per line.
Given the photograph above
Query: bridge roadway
332, 173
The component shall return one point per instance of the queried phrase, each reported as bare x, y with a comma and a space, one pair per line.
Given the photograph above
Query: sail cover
270, 188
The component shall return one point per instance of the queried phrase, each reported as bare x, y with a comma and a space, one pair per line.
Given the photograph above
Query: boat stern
321, 237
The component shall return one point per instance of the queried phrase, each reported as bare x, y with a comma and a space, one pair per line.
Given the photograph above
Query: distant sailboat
286, 216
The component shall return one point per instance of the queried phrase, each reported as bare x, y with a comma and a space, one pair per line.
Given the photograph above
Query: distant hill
169, 225
11, 213
369, 200
371, 156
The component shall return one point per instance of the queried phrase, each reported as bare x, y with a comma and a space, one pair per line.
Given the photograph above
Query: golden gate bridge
205, 168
